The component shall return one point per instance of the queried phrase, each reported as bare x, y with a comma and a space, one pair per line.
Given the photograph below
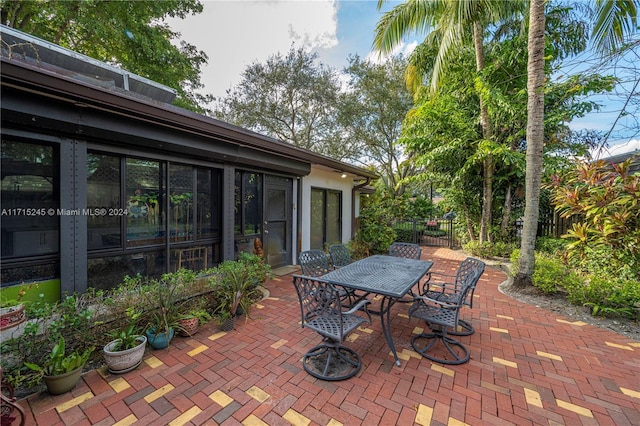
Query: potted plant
190, 321
125, 352
61, 372
11, 314
234, 283
12, 311
167, 304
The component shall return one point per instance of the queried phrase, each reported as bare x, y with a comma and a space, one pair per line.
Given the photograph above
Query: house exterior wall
330, 180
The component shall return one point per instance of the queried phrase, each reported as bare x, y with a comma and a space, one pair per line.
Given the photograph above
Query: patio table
387, 276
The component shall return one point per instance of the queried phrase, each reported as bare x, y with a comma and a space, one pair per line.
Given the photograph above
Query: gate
426, 232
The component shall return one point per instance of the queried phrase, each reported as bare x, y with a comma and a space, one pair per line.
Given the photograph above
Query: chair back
406, 250
340, 255
469, 271
314, 263
320, 305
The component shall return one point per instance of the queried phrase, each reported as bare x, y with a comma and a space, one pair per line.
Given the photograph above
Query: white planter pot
120, 362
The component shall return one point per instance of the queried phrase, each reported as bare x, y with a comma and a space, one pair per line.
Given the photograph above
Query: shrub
605, 293
604, 261
550, 275
606, 195
551, 245
404, 235
488, 249
608, 296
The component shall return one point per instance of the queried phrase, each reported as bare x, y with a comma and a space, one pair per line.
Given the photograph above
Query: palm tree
450, 19
613, 20
535, 140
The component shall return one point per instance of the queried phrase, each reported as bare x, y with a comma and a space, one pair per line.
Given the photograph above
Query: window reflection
181, 203
208, 190
30, 199
248, 203
145, 202
103, 192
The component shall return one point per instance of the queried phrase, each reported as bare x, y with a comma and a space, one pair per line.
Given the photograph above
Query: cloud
403, 48
621, 148
235, 34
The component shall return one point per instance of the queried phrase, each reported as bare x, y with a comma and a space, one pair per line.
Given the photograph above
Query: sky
236, 33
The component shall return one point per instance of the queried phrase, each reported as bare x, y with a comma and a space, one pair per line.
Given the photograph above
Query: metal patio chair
448, 288
407, 250
322, 312
440, 316
314, 263
340, 255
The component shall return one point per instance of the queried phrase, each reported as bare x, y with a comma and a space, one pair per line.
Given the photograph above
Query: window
181, 202
165, 202
208, 203
145, 194
30, 199
326, 217
103, 192
248, 204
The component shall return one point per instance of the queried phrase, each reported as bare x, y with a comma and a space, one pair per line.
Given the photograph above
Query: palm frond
614, 19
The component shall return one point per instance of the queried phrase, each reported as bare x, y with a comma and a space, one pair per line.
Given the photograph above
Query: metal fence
550, 224
427, 232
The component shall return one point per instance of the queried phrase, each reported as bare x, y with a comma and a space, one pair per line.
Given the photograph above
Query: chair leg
460, 355
331, 361
465, 328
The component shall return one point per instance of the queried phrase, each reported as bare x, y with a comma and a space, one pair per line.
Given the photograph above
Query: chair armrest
440, 287
441, 275
442, 303
358, 306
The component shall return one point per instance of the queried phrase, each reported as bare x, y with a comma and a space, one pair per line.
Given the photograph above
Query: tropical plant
614, 20
233, 286
258, 270
125, 338
59, 362
450, 22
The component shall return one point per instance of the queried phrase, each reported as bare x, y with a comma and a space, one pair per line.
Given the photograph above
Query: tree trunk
535, 141
506, 212
485, 122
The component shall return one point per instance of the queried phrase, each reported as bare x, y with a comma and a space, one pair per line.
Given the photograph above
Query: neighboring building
620, 158
102, 177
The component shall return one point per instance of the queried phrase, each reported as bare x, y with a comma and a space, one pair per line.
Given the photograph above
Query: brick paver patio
528, 366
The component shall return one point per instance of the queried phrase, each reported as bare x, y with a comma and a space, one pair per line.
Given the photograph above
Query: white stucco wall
323, 179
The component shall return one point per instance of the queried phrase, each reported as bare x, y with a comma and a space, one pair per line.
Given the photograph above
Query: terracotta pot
188, 327
62, 383
11, 316
120, 362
